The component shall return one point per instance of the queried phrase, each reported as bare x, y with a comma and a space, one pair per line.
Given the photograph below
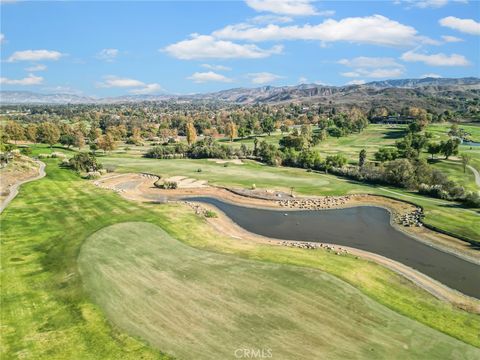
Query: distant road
14, 187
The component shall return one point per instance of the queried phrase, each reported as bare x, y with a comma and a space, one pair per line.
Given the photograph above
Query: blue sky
112, 48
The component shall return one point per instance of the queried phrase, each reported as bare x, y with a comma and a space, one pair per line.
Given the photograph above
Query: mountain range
390, 91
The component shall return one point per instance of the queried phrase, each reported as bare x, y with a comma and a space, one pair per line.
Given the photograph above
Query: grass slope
46, 314
204, 305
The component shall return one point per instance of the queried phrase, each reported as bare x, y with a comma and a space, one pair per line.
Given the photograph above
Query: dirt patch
17, 170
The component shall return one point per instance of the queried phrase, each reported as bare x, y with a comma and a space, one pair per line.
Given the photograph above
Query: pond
364, 227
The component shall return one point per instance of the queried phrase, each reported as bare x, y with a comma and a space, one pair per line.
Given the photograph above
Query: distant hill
426, 92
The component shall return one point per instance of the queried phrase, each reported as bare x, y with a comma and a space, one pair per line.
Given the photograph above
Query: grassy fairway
47, 315
442, 214
204, 305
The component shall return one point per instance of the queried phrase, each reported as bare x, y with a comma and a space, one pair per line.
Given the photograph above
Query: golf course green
47, 313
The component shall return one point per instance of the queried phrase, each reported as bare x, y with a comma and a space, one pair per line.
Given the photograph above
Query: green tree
449, 147
433, 149
362, 157
268, 125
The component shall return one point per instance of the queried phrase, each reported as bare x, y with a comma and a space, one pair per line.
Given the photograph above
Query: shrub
84, 162
210, 214
26, 151
166, 185
472, 200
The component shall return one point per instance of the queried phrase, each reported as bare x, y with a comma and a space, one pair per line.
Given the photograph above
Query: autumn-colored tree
79, 141
107, 142
48, 133
231, 130
31, 132
94, 134
14, 131
191, 133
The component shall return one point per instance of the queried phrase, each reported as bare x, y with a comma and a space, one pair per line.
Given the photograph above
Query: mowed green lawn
445, 215
46, 313
197, 304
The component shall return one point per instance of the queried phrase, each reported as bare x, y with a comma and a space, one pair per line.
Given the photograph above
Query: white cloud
39, 67
108, 55
430, 75
205, 47
373, 67
468, 26
283, 7
140, 87
216, 67
263, 77
376, 30
118, 82
436, 59
356, 82
302, 80
369, 62
209, 76
2, 38
451, 39
376, 73
35, 55
147, 89
31, 79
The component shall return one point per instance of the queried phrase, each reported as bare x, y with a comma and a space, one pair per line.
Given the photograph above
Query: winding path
476, 173
15, 187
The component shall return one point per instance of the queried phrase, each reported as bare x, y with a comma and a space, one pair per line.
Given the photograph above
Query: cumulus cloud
263, 77
468, 26
108, 55
39, 67
35, 55
376, 30
451, 39
118, 82
206, 46
216, 67
431, 75
369, 62
209, 76
436, 59
31, 79
147, 89
372, 67
283, 7
111, 81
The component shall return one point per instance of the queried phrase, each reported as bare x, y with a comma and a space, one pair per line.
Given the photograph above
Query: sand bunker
222, 161
187, 183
